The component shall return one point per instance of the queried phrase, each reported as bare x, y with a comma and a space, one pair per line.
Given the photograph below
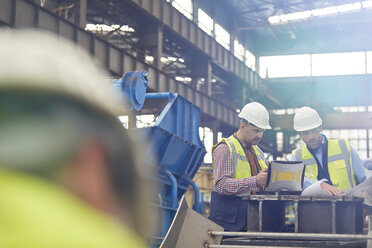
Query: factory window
369, 62
279, 141
103, 28
370, 143
183, 6
222, 36
357, 139
145, 120
285, 66
332, 10
205, 22
239, 50
288, 111
351, 109
206, 136
338, 64
250, 60
124, 120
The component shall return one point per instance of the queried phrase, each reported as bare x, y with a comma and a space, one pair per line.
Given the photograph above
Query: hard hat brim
313, 126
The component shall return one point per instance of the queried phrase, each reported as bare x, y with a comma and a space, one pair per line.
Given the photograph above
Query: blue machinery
175, 142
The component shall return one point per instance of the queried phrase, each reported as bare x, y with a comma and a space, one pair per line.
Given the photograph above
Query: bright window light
285, 66
279, 111
108, 28
333, 10
222, 36
205, 22
345, 109
183, 6
184, 79
324, 11
349, 7
124, 120
367, 4
149, 59
338, 64
206, 136
145, 120
238, 50
250, 60
369, 62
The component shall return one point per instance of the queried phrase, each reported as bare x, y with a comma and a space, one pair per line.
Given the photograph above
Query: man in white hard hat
239, 168
334, 162
70, 174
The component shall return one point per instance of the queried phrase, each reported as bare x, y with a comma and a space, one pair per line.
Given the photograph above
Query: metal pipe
260, 216
295, 206
197, 205
319, 236
173, 198
333, 217
160, 95
250, 246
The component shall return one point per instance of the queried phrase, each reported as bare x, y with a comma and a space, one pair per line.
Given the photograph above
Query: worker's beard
314, 143
255, 141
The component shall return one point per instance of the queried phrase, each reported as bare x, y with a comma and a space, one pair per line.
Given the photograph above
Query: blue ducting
134, 85
197, 205
175, 143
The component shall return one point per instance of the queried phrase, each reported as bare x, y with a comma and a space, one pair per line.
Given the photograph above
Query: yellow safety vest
340, 166
240, 163
37, 213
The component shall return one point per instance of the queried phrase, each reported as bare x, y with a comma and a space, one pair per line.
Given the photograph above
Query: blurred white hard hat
256, 114
306, 119
40, 61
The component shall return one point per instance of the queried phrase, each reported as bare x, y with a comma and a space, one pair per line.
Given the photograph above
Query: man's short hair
247, 122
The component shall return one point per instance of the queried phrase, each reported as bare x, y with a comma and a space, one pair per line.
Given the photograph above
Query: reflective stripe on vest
240, 163
339, 163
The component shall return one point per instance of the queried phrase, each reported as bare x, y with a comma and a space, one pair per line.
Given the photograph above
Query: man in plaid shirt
239, 168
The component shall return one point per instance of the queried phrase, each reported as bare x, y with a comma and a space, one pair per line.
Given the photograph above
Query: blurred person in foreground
69, 172
334, 163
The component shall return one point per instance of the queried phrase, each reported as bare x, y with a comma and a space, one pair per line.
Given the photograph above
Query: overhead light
126, 28
188, 79
183, 79
108, 28
149, 58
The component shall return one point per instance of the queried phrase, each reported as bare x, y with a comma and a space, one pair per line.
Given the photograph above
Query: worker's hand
261, 178
330, 189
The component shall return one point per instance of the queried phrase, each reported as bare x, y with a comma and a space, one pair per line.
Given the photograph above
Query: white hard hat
256, 114
306, 119
40, 61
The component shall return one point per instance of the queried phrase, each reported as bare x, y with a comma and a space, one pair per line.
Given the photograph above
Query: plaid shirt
223, 173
